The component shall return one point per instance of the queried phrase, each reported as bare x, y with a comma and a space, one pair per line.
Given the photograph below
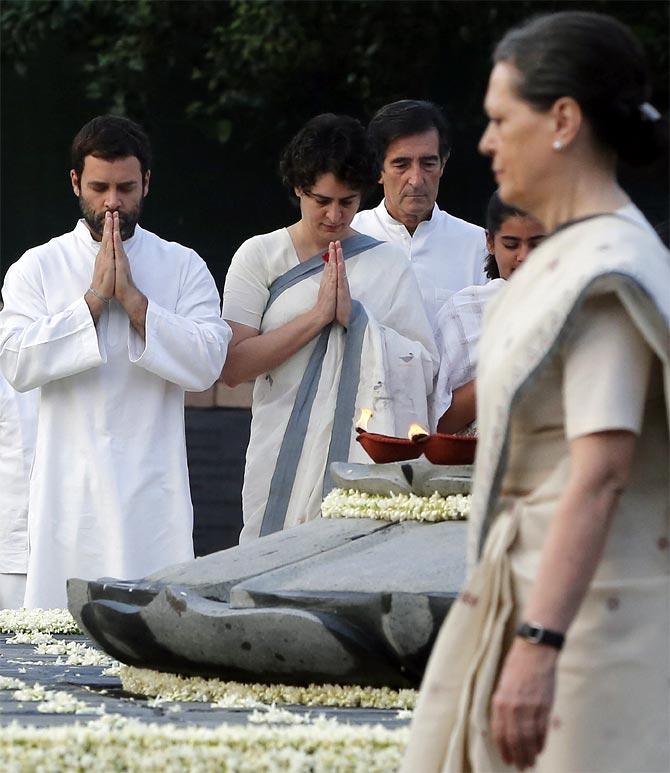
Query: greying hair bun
597, 61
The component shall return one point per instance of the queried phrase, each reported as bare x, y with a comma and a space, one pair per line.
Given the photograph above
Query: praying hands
334, 299
112, 278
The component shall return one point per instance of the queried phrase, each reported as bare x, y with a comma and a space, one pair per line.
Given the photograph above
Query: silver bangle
98, 295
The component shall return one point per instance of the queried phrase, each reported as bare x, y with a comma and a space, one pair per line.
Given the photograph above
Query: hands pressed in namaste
334, 300
112, 277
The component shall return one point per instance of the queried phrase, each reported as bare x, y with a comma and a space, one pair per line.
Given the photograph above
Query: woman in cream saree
570, 501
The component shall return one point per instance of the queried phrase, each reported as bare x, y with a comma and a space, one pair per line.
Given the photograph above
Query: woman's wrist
539, 654
536, 633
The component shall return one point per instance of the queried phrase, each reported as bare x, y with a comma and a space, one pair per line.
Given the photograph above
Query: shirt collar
389, 220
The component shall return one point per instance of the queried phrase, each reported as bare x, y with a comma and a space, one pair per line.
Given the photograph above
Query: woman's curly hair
329, 143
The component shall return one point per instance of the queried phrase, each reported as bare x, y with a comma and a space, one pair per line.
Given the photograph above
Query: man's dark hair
111, 137
403, 119
328, 143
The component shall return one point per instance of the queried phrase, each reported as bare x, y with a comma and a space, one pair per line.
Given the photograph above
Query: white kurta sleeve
606, 371
188, 346
37, 347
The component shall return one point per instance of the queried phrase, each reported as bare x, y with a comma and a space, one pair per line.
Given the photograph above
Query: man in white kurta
18, 428
109, 491
447, 254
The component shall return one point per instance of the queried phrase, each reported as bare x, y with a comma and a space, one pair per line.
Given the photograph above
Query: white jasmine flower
226, 694
37, 620
340, 503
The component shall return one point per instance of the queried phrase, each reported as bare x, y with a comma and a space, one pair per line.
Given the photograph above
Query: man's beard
127, 220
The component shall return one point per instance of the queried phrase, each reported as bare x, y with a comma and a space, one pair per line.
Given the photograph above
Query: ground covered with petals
63, 708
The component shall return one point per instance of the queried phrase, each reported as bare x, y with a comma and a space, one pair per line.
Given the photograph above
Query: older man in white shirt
113, 323
411, 141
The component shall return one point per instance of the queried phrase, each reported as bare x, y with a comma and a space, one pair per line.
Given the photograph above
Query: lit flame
416, 431
363, 419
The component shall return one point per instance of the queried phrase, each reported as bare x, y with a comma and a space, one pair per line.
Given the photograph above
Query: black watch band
538, 634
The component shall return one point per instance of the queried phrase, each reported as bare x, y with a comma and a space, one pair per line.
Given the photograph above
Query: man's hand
522, 702
104, 271
125, 291
343, 309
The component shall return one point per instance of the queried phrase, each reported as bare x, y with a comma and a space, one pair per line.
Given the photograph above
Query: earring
557, 145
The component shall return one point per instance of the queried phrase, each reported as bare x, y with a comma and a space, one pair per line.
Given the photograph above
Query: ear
145, 183
567, 118
490, 244
75, 182
298, 192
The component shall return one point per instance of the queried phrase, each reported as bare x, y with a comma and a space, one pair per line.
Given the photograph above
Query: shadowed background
220, 87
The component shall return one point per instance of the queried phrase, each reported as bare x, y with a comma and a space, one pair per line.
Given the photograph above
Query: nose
485, 147
522, 254
415, 176
112, 200
334, 212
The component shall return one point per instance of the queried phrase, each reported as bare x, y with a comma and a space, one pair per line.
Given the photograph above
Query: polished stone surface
354, 601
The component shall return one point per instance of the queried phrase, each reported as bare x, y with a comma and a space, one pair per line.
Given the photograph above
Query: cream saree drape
612, 706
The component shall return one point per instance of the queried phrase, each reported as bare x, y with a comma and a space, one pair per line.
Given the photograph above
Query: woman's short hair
329, 143
496, 214
597, 61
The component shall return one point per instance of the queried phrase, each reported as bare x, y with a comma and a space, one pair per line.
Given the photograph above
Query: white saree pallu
304, 411
612, 706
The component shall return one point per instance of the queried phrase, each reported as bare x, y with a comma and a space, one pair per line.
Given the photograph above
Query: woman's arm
251, 353
462, 410
599, 468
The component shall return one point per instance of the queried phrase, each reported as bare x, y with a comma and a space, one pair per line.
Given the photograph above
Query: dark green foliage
267, 65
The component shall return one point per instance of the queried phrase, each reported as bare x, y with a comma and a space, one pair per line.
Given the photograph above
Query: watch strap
538, 634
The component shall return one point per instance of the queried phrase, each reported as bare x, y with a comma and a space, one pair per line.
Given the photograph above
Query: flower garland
350, 503
224, 694
117, 743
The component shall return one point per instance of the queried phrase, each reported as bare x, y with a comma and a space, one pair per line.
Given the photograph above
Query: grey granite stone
364, 610
353, 601
417, 476
214, 575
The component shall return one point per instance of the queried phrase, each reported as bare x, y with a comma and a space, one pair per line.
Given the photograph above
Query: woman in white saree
557, 653
327, 321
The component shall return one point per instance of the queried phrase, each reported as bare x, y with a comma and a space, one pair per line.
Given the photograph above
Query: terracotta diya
440, 448
383, 449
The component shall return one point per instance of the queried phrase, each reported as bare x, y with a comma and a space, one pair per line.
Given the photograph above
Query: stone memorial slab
347, 600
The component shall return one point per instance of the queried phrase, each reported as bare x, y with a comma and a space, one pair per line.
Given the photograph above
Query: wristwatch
538, 634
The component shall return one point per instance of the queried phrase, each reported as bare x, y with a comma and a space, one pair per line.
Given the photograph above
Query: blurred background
220, 87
